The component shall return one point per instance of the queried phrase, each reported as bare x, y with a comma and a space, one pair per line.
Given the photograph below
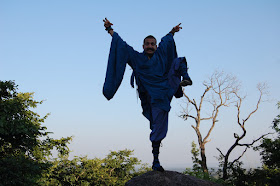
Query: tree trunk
203, 159
203, 162
225, 166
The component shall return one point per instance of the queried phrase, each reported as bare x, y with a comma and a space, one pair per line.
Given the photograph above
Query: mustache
150, 49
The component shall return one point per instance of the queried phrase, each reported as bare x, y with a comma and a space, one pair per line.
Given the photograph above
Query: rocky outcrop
167, 178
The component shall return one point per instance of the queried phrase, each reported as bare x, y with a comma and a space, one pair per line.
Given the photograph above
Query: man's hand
107, 25
176, 29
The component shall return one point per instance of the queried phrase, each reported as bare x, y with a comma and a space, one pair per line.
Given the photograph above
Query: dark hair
149, 37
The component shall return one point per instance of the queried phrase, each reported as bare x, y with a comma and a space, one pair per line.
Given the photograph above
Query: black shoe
160, 168
156, 166
185, 82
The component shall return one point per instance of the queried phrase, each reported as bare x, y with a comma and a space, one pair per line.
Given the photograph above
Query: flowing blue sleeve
119, 56
167, 48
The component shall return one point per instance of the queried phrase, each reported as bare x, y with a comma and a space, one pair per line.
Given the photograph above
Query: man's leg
159, 127
156, 164
183, 70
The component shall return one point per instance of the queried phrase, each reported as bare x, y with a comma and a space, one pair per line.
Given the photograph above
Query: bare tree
241, 122
219, 92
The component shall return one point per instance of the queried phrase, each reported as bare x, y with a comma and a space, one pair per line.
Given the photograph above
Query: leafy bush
116, 169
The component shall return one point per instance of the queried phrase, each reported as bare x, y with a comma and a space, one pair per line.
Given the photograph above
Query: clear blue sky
59, 50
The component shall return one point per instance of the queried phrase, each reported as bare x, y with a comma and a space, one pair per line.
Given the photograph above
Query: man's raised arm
107, 25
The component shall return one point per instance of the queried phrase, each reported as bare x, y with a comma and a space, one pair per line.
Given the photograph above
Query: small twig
239, 156
220, 152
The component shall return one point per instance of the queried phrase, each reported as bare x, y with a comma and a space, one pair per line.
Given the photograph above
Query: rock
167, 178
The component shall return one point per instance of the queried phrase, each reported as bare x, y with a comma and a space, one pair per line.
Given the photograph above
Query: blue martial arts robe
157, 78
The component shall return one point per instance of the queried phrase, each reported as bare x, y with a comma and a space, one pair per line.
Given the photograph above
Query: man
157, 72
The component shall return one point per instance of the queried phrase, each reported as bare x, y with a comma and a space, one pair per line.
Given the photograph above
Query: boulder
167, 178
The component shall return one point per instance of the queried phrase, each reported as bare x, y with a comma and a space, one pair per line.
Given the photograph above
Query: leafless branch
186, 116
206, 118
206, 141
220, 152
203, 95
254, 141
189, 100
238, 157
261, 87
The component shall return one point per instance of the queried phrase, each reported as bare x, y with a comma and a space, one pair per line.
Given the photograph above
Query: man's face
150, 46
